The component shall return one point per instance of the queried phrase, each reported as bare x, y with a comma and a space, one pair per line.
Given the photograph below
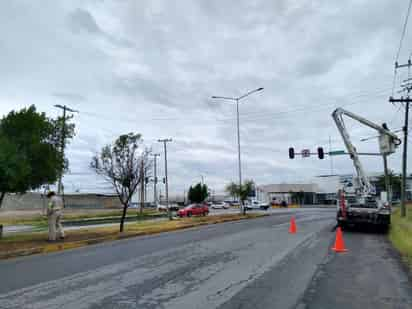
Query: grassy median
26, 244
74, 214
400, 233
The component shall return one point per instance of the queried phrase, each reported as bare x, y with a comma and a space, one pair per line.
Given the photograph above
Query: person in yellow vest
54, 216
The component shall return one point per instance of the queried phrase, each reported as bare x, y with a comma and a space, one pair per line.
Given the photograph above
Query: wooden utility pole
155, 155
63, 141
142, 186
402, 100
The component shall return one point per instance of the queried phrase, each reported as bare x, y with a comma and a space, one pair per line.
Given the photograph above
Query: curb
56, 247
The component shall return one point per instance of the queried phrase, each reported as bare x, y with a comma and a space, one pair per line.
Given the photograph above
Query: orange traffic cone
292, 228
339, 243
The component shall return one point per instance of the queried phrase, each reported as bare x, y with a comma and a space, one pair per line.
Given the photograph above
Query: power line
403, 31
351, 96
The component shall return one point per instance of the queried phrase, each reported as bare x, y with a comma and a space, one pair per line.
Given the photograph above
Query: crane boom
388, 142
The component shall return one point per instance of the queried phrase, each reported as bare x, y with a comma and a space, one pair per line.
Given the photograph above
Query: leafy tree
29, 155
60, 128
395, 182
232, 189
198, 193
121, 165
247, 190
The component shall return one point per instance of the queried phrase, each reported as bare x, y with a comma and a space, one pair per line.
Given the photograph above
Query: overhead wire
248, 116
403, 31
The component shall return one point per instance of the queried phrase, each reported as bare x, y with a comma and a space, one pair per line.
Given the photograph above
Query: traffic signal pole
165, 141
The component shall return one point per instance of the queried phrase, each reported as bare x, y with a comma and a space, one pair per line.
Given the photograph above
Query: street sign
305, 153
336, 152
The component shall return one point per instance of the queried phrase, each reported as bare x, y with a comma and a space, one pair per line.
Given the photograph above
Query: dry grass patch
83, 237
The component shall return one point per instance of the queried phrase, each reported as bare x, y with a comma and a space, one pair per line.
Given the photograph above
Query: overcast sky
152, 66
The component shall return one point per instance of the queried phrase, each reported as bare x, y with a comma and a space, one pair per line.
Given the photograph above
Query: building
321, 190
290, 193
330, 184
34, 200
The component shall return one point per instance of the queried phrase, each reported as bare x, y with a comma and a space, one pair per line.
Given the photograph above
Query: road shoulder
369, 275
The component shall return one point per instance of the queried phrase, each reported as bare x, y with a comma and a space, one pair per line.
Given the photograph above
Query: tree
395, 182
29, 155
232, 189
247, 190
121, 165
198, 193
62, 127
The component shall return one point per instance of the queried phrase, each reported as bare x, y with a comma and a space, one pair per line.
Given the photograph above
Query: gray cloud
152, 66
81, 20
72, 97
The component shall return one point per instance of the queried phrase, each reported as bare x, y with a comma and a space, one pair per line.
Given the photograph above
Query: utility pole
63, 141
155, 155
165, 141
142, 186
406, 100
387, 185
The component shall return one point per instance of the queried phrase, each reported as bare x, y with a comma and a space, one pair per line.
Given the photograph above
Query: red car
193, 210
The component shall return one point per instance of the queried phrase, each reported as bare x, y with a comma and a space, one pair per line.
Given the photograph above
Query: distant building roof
288, 187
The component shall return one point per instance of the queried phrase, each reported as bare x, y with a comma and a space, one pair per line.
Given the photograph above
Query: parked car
233, 203
220, 205
250, 205
172, 207
279, 203
194, 210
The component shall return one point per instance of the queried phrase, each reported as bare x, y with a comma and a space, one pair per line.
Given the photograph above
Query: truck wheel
384, 228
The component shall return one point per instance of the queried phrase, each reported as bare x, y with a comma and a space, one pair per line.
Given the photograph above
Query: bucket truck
357, 202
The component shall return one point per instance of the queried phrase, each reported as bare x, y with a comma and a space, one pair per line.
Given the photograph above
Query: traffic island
35, 243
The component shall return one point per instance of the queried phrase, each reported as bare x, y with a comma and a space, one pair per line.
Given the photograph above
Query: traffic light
146, 180
321, 154
291, 153
164, 180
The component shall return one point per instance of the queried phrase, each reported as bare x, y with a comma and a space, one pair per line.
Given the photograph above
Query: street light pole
237, 99
243, 209
165, 141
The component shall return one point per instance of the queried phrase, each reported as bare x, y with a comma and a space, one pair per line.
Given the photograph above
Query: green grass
39, 239
400, 233
41, 221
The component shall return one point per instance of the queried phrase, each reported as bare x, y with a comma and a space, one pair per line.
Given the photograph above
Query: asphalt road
244, 264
